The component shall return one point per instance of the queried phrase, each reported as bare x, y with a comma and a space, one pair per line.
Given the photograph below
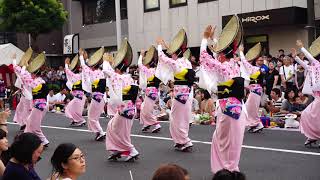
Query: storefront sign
282, 16
71, 44
256, 19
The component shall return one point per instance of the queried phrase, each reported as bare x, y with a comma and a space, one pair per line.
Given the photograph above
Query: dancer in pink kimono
93, 81
310, 117
228, 136
123, 94
39, 96
150, 84
23, 109
75, 106
184, 77
254, 98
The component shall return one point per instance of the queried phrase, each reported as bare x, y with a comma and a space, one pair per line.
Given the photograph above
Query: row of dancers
221, 72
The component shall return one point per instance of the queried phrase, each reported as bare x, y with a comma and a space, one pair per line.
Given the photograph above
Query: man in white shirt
60, 97
51, 100
287, 74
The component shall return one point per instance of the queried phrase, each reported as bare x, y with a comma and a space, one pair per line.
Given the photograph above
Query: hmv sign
282, 16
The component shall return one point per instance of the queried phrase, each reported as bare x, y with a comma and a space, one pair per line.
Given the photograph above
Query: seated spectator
169, 172
306, 100
51, 100
68, 162
3, 148
60, 97
25, 153
297, 105
287, 104
168, 100
228, 175
197, 95
207, 104
274, 105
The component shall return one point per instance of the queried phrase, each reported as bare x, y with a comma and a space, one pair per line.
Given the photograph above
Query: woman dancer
184, 78
39, 95
93, 81
24, 106
255, 87
150, 83
228, 136
123, 94
310, 117
75, 106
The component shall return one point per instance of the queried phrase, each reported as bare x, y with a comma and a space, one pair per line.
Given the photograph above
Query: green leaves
32, 16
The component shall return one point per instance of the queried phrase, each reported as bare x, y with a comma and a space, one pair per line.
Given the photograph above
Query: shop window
151, 5
204, 1
177, 3
100, 11
251, 40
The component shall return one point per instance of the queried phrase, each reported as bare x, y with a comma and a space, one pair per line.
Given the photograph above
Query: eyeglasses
78, 158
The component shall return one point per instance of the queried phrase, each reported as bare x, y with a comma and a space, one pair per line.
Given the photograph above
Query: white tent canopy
6, 52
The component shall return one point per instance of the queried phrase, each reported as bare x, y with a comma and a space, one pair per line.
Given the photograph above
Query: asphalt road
271, 155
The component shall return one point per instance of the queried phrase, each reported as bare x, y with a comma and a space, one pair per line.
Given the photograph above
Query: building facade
274, 23
94, 21
277, 24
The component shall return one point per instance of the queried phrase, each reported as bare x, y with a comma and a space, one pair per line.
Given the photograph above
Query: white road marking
273, 129
194, 141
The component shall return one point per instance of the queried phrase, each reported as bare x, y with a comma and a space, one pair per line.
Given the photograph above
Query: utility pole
118, 23
311, 22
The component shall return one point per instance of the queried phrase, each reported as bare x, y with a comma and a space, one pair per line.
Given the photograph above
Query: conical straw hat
37, 63
124, 54
74, 62
229, 34
150, 55
96, 58
26, 57
315, 47
254, 52
177, 42
187, 54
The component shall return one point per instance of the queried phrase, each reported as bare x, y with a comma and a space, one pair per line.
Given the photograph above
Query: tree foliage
32, 16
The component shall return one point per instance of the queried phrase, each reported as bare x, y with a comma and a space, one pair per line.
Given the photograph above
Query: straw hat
178, 41
187, 54
254, 52
26, 57
124, 54
37, 63
74, 62
230, 37
151, 55
314, 49
96, 58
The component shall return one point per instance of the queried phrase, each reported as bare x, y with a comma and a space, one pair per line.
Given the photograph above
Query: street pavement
270, 155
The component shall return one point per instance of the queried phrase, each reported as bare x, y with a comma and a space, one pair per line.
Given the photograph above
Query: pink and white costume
96, 106
147, 78
228, 136
310, 117
75, 107
23, 109
39, 103
254, 98
118, 138
182, 103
